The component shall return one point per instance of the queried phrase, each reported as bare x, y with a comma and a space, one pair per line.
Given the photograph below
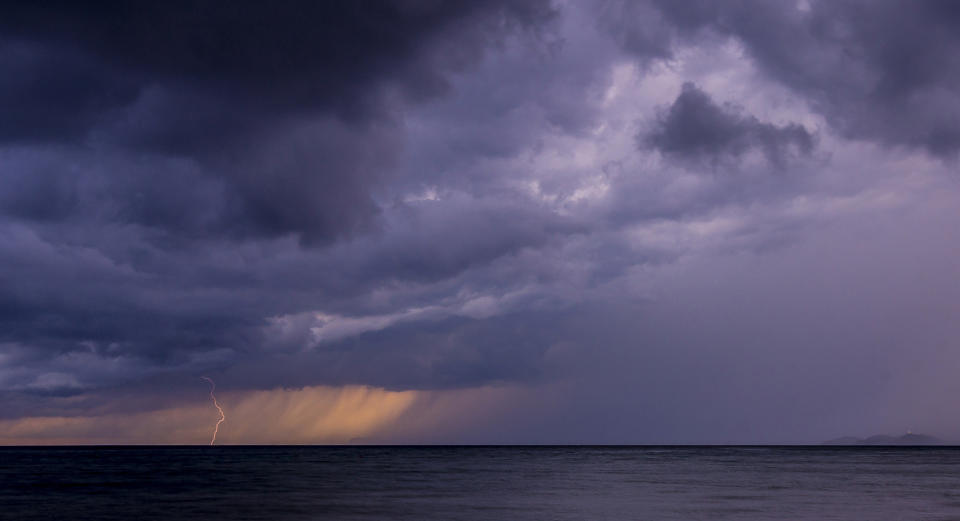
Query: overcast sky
479, 222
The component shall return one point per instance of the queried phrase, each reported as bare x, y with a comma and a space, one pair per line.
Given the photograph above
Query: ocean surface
479, 483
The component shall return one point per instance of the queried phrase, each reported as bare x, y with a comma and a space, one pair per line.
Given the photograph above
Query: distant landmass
881, 439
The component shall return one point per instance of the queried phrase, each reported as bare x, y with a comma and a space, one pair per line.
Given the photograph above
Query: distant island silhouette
881, 439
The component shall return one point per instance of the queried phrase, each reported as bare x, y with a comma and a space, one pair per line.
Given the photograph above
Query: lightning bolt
216, 427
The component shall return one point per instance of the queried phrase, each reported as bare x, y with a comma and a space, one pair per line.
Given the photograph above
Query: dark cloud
119, 295
265, 60
695, 127
54, 94
236, 93
157, 160
883, 71
639, 28
438, 353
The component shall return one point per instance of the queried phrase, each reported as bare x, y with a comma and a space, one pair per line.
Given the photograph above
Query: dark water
456, 483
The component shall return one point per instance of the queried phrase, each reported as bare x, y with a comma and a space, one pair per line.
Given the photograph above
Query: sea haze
281, 483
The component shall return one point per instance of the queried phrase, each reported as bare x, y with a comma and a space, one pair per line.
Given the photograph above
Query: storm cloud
584, 221
694, 126
884, 71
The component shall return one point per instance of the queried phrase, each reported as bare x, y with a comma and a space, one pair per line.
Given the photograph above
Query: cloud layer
583, 221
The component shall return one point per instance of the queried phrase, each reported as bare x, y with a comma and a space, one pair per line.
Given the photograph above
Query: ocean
279, 483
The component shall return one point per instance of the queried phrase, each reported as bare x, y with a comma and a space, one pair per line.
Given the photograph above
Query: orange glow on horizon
309, 415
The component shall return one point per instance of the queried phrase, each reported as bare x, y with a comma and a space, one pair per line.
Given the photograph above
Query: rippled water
457, 483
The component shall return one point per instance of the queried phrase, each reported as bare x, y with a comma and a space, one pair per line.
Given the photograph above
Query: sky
510, 221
